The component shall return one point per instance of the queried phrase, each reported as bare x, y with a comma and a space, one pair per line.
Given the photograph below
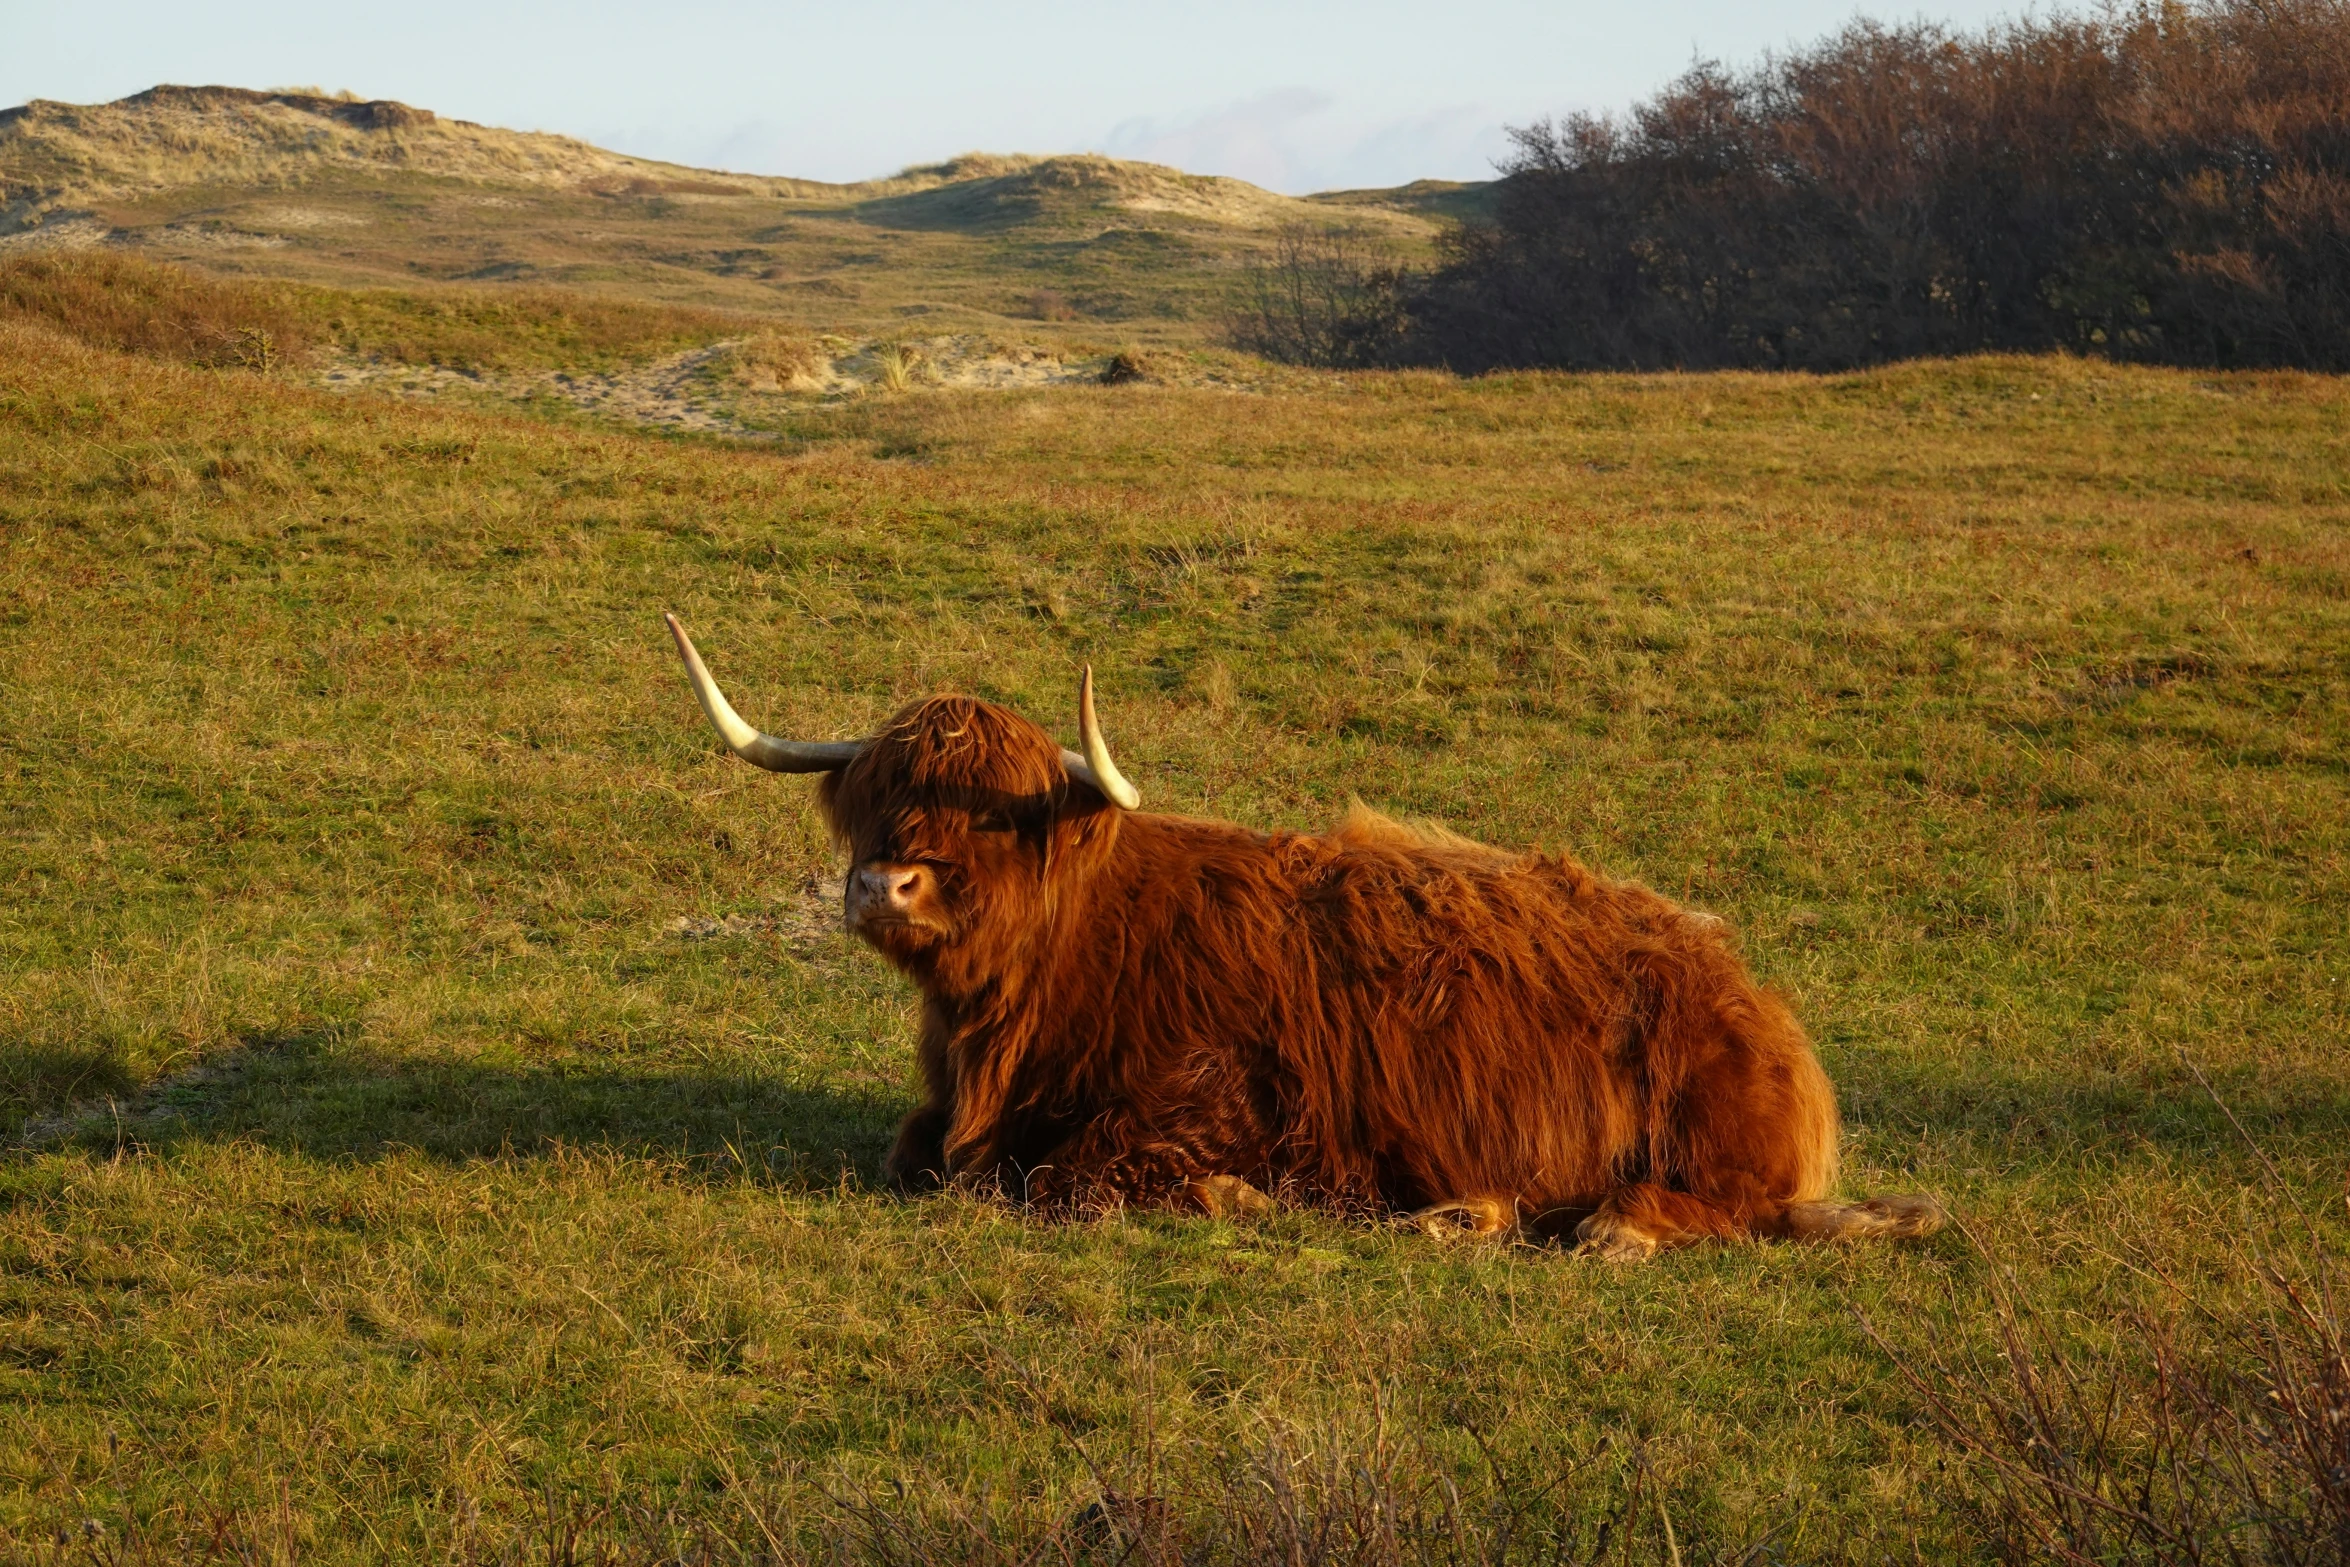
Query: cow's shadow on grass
330, 1099
320, 1098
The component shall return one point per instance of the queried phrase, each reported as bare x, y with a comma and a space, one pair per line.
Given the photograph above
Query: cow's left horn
763, 750
1095, 766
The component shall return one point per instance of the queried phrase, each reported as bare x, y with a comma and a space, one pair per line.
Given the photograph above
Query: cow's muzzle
882, 895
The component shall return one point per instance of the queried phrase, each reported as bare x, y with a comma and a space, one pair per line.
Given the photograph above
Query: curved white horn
762, 750
1095, 766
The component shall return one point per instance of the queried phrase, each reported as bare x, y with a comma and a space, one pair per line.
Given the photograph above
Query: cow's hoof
1481, 1218
1229, 1197
1610, 1239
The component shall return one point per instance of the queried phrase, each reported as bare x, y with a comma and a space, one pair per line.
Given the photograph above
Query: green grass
351, 793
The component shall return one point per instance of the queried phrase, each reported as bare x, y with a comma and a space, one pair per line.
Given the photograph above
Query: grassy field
445, 1116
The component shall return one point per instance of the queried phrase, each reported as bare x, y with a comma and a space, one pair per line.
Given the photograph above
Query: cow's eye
991, 821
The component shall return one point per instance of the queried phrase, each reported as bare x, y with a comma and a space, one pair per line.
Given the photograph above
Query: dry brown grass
123, 302
223, 138
2206, 1422
772, 362
110, 299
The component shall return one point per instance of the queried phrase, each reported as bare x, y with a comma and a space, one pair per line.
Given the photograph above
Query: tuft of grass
897, 367
770, 362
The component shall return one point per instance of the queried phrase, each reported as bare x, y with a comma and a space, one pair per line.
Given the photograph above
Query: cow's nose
890, 887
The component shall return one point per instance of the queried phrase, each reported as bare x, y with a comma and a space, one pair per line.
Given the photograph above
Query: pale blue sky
1298, 95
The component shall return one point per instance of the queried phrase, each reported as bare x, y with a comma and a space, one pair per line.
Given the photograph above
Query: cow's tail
1876, 1218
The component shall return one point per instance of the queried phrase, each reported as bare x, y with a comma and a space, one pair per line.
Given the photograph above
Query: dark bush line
2164, 182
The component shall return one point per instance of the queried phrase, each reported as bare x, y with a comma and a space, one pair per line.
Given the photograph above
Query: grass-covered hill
443, 1115
297, 186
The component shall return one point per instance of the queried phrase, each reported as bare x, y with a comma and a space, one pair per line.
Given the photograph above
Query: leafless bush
2161, 181
1327, 296
2191, 1435
1284, 1506
1047, 304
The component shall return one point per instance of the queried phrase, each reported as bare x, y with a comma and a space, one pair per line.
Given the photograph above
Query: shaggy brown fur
1130, 1007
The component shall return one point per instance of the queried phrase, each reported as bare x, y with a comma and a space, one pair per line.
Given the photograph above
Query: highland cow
1126, 1007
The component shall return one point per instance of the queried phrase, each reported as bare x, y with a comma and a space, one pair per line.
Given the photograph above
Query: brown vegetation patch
110, 300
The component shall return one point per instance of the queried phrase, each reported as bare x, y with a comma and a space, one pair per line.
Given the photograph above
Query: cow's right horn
1095, 766
762, 750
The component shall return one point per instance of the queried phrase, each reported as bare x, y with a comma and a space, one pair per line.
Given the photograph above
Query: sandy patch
308, 218
198, 236
849, 368
670, 393
60, 234
806, 924
700, 390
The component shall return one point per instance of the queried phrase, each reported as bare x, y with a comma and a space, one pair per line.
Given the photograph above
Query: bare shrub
2193, 1434
1125, 367
1327, 296
1046, 304
2161, 181
1284, 1505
